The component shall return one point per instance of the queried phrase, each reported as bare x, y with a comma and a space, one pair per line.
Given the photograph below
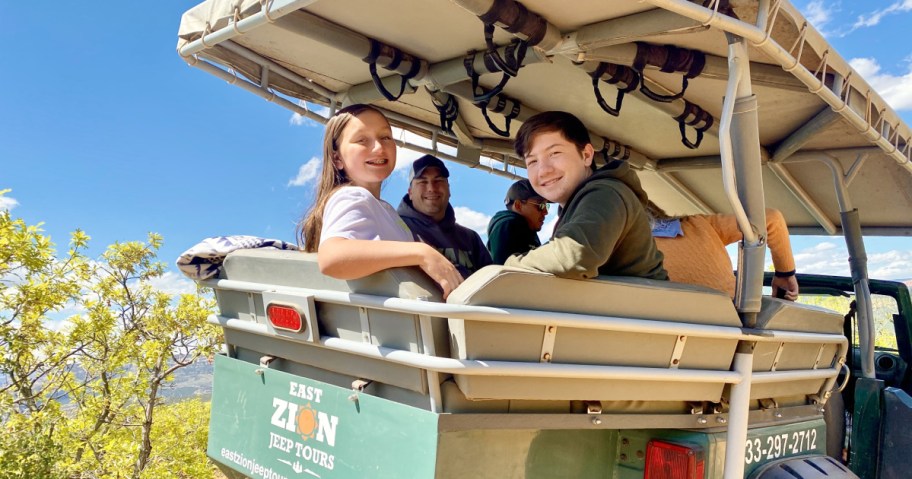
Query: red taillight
284, 317
666, 460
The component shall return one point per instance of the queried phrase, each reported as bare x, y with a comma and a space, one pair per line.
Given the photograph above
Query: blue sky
104, 128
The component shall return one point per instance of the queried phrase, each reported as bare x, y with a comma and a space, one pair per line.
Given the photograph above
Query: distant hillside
191, 381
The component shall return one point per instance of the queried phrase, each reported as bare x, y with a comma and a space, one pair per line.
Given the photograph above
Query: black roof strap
669, 59
396, 56
619, 152
701, 121
515, 52
448, 111
499, 107
514, 17
614, 74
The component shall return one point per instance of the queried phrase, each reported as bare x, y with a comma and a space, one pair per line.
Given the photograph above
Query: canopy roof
816, 114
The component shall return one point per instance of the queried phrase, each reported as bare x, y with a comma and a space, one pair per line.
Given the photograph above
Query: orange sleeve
777, 237
726, 226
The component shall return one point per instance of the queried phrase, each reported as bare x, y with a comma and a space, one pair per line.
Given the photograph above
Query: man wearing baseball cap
427, 211
515, 230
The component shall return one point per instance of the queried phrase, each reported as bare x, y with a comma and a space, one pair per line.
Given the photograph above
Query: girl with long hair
352, 230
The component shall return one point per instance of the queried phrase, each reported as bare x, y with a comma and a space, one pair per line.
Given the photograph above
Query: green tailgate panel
273, 425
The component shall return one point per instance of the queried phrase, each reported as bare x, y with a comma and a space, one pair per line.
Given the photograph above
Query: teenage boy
426, 210
515, 229
603, 228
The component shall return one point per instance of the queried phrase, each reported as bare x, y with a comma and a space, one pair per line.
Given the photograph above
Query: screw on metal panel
625, 441
675, 361
623, 457
721, 420
682, 338
547, 356
821, 410
701, 420
550, 329
640, 454
596, 421
777, 414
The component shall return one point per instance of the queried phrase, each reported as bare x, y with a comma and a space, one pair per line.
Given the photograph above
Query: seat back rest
299, 269
779, 314
791, 316
610, 297
276, 268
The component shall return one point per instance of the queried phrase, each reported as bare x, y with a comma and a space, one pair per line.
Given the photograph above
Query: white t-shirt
352, 212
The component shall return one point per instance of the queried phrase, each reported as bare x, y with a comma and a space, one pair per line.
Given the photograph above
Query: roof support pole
803, 135
858, 264
628, 29
798, 192
266, 63
736, 436
716, 67
739, 142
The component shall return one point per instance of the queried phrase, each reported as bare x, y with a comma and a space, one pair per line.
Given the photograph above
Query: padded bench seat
634, 298
782, 315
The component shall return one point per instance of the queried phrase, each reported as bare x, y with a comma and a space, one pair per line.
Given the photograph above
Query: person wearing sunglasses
515, 229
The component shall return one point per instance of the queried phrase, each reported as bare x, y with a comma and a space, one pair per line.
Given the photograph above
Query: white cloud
818, 14
823, 258
878, 15
895, 90
890, 265
298, 119
306, 173
7, 203
832, 258
473, 220
173, 284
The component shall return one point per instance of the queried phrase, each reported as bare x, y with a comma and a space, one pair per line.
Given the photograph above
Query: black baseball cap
425, 162
522, 190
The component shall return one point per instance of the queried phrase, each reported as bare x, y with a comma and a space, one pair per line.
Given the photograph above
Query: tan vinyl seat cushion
631, 298
626, 297
299, 269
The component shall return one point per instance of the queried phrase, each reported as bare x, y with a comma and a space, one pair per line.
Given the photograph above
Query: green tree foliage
883, 307
82, 398
181, 429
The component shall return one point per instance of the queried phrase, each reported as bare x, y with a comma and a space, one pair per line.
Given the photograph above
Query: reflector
284, 317
666, 460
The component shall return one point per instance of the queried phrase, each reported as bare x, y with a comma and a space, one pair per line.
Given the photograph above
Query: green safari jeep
721, 106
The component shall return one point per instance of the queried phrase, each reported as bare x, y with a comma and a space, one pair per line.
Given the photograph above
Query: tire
806, 467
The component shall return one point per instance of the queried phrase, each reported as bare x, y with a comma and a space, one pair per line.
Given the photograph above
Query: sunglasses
540, 206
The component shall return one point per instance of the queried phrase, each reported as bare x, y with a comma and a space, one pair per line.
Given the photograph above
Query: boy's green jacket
602, 230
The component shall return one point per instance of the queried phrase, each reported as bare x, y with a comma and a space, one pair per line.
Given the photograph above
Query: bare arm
352, 259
